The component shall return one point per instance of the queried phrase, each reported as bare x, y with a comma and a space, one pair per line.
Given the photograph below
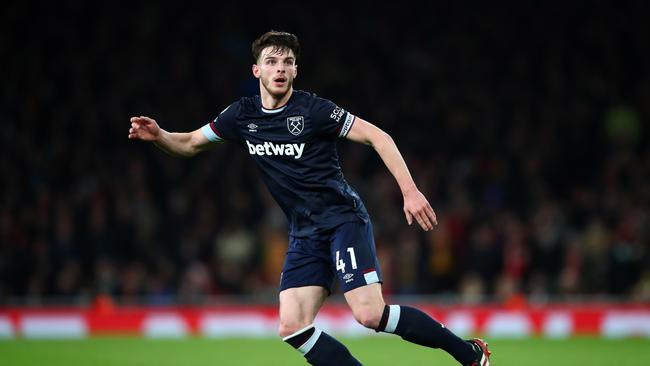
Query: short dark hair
278, 40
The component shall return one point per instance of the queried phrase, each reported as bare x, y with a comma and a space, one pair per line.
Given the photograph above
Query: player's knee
288, 328
368, 317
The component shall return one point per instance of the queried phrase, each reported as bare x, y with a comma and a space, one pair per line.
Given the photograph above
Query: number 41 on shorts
340, 264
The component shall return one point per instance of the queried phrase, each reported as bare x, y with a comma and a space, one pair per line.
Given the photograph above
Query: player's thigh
367, 304
299, 306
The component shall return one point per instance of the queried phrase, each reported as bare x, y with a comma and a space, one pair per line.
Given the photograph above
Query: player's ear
256, 71
296, 68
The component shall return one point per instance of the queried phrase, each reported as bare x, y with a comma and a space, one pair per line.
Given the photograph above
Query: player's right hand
144, 128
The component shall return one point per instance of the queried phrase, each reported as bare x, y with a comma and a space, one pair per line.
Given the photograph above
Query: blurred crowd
526, 126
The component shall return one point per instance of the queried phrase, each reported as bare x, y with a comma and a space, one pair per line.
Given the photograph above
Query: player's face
276, 69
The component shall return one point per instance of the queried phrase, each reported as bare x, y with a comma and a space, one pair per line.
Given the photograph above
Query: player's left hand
417, 207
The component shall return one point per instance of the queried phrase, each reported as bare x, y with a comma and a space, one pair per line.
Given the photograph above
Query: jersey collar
276, 110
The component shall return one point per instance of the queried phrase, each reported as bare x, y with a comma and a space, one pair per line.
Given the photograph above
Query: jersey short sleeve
330, 119
223, 127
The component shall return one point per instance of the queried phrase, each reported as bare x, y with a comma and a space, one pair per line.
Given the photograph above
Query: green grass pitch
372, 351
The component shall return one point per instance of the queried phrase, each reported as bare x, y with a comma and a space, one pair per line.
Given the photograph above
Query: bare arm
183, 144
415, 204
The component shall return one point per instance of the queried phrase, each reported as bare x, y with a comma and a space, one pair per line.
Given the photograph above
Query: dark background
525, 123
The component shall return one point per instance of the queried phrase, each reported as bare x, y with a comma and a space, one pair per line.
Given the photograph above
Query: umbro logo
252, 127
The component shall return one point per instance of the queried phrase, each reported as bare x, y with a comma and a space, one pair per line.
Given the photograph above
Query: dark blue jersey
295, 149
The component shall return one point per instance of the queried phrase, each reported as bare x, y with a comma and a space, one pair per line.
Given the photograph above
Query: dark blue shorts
347, 252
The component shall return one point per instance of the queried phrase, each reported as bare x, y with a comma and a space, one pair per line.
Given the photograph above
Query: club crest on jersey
295, 125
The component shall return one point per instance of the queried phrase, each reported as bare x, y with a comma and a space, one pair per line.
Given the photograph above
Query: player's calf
417, 327
320, 349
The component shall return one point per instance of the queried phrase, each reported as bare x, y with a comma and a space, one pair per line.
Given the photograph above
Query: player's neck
272, 102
